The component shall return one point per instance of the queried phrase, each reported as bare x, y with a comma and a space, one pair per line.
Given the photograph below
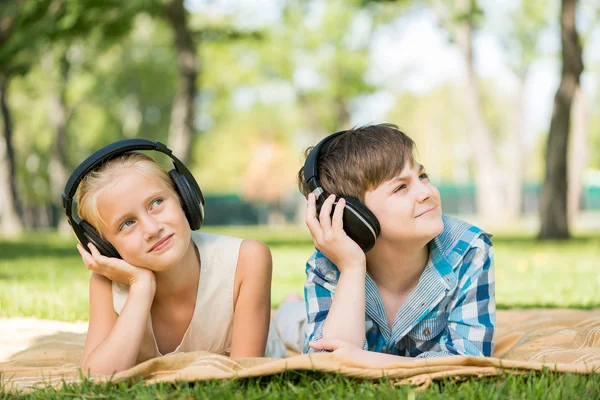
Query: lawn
44, 277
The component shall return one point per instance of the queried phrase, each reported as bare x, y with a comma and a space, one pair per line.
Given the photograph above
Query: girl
173, 289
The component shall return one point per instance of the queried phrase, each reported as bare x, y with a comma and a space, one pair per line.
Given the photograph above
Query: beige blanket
561, 339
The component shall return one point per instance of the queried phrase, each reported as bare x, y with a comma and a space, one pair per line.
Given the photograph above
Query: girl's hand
114, 269
329, 236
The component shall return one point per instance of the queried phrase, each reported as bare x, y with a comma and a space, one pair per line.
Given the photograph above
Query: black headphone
185, 185
360, 224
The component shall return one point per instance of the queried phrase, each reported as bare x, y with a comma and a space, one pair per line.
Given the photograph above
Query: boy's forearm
120, 349
346, 317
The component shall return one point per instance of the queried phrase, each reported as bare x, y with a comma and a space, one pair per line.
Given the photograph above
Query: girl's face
144, 221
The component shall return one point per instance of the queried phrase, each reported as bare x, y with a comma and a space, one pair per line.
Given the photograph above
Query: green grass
44, 277
309, 385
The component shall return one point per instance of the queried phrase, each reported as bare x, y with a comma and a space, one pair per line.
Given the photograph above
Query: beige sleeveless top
211, 326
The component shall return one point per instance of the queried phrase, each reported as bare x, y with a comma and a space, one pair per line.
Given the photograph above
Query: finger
338, 214
94, 250
311, 217
324, 344
98, 257
325, 215
87, 258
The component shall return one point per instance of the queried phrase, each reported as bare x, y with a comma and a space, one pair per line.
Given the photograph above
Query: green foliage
521, 38
284, 84
30, 23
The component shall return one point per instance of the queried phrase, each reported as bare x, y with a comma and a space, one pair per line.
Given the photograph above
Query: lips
425, 212
160, 242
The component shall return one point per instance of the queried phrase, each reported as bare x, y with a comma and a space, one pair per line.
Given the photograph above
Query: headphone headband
311, 163
111, 151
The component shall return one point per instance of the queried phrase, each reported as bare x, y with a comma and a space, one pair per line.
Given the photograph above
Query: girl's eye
157, 202
423, 176
125, 225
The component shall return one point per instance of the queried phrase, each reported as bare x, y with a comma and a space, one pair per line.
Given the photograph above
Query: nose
151, 227
424, 191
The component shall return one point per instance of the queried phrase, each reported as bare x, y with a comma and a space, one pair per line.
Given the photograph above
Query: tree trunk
553, 201
58, 114
342, 113
489, 196
11, 223
514, 168
181, 131
578, 154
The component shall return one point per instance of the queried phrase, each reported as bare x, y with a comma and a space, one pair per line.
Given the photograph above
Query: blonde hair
102, 177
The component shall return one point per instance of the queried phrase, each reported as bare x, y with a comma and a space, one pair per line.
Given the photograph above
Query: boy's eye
423, 176
399, 188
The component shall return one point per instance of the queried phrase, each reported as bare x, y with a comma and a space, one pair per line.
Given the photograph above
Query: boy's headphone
360, 224
185, 185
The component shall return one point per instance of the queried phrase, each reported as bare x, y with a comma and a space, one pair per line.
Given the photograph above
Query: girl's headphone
185, 185
360, 224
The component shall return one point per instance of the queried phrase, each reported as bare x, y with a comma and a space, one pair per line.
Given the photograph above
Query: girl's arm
113, 341
252, 300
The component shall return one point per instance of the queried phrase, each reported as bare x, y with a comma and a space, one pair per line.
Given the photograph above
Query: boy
423, 287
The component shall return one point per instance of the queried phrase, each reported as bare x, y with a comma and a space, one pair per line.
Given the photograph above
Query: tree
520, 41
181, 131
489, 196
50, 28
10, 218
553, 202
460, 19
13, 61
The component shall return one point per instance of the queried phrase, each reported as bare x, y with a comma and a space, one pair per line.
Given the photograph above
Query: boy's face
408, 206
144, 221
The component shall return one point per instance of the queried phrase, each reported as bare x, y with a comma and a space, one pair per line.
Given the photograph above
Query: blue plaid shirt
451, 311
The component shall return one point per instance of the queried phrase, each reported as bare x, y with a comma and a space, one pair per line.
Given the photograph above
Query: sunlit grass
44, 277
310, 385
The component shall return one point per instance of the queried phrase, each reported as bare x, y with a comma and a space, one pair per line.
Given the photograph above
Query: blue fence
231, 209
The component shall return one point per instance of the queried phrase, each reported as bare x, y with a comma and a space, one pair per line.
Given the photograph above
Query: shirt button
426, 332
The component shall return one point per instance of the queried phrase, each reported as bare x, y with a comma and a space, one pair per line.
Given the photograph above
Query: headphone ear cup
192, 205
92, 235
360, 224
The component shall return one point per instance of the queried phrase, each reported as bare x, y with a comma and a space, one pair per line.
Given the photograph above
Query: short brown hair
361, 159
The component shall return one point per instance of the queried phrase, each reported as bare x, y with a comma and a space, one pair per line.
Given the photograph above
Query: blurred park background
501, 97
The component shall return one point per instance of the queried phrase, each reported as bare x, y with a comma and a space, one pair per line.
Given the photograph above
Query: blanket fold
563, 340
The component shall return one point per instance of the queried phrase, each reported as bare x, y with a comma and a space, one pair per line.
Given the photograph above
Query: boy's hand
114, 269
339, 347
329, 236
